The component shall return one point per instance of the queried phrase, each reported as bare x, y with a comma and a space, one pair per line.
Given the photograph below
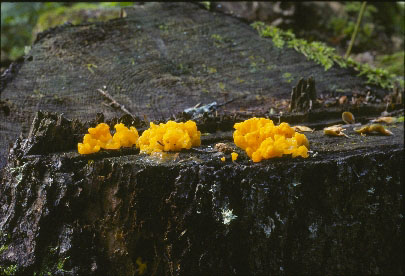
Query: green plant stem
356, 29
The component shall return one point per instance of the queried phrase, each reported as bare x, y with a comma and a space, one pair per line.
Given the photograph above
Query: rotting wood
210, 57
191, 211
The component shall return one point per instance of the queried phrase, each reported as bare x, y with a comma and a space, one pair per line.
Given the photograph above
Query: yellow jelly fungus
95, 139
100, 138
234, 156
123, 137
223, 159
171, 136
261, 139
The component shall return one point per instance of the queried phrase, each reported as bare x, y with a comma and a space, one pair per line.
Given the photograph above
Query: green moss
61, 264
58, 99
217, 37
3, 248
17, 172
326, 56
37, 94
9, 270
253, 67
211, 70
52, 262
339, 90
288, 77
239, 80
76, 14
181, 69
164, 27
218, 40
393, 63
89, 66
206, 4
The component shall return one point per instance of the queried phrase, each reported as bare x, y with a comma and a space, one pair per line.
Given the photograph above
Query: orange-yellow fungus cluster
261, 139
123, 137
100, 138
171, 136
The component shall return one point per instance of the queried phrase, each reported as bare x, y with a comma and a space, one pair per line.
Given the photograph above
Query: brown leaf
303, 129
222, 147
387, 120
373, 128
335, 130
343, 99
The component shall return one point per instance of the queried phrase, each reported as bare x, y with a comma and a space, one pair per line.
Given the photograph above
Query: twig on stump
114, 103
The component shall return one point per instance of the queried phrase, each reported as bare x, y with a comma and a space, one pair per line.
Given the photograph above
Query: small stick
228, 102
351, 125
114, 102
106, 104
145, 119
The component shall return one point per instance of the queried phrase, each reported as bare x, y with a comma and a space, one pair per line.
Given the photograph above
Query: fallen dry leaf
303, 129
373, 128
387, 120
335, 130
342, 99
222, 147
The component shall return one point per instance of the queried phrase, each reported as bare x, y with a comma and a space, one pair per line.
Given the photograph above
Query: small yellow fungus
100, 138
171, 136
261, 139
223, 159
234, 156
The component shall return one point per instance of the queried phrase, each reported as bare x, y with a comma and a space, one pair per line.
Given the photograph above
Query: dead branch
114, 103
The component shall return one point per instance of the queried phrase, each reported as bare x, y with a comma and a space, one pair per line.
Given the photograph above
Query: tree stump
108, 213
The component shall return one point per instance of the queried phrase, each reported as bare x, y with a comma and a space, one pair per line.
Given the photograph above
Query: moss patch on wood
326, 56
